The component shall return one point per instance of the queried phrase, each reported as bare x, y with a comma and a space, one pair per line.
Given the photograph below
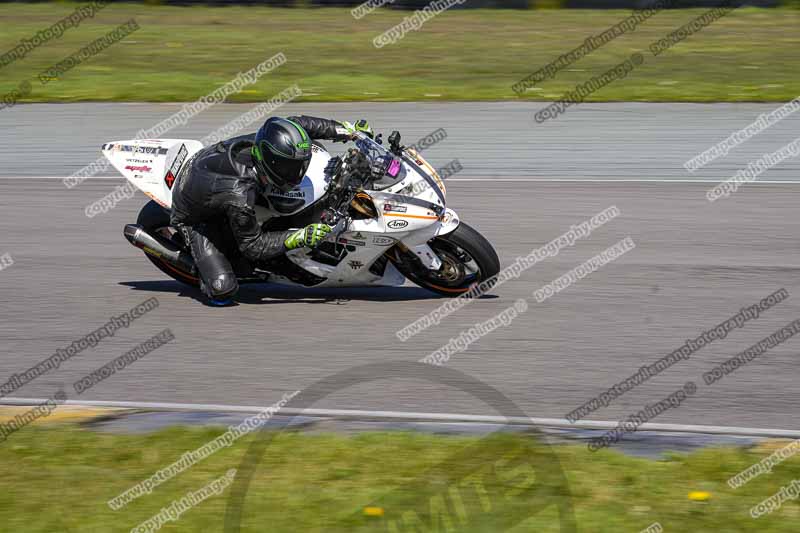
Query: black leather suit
214, 198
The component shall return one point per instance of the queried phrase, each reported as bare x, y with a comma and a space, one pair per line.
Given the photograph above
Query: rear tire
458, 250
155, 220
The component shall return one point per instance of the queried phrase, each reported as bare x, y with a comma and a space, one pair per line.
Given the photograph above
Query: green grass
180, 54
59, 478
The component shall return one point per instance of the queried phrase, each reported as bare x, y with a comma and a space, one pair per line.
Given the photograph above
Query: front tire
155, 220
467, 257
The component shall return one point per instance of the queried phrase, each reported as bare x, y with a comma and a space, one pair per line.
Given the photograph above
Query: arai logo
397, 224
383, 241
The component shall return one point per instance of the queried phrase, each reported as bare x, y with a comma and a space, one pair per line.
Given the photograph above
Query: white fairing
148, 163
405, 213
411, 211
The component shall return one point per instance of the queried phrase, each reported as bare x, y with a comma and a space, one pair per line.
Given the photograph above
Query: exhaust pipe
159, 248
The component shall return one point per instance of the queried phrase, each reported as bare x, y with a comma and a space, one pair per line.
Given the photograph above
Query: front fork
418, 242
426, 255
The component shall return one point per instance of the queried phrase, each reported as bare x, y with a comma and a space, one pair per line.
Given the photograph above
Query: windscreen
386, 169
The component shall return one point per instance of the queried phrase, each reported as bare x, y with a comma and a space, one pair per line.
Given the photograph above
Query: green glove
310, 236
361, 126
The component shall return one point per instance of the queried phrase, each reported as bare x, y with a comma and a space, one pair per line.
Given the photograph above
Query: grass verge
60, 477
180, 54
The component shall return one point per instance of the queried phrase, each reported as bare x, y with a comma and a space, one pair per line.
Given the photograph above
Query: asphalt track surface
695, 264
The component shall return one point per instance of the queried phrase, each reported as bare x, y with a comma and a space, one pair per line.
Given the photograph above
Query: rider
220, 187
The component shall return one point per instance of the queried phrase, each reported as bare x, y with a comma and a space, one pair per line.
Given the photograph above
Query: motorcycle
386, 207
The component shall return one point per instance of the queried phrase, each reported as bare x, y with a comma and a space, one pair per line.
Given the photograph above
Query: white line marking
521, 180
423, 417
57, 178
620, 180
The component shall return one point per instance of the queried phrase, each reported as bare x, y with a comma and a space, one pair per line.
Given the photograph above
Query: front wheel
467, 259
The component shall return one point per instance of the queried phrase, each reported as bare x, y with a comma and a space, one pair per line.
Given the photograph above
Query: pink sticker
394, 168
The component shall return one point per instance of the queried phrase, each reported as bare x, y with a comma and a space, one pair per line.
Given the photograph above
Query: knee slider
224, 286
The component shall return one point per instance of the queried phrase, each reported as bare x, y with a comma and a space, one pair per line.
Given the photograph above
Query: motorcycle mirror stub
394, 142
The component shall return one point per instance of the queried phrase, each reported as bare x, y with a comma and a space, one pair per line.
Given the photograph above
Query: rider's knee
223, 287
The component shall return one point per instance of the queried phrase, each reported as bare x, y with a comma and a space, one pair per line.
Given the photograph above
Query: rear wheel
467, 259
155, 220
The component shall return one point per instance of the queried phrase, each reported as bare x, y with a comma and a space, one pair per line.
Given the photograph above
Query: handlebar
363, 164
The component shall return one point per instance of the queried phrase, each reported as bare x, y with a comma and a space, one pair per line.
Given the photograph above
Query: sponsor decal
292, 195
146, 150
359, 235
355, 265
138, 149
351, 242
145, 161
395, 208
169, 179
382, 241
143, 168
179, 159
397, 224
177, 163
